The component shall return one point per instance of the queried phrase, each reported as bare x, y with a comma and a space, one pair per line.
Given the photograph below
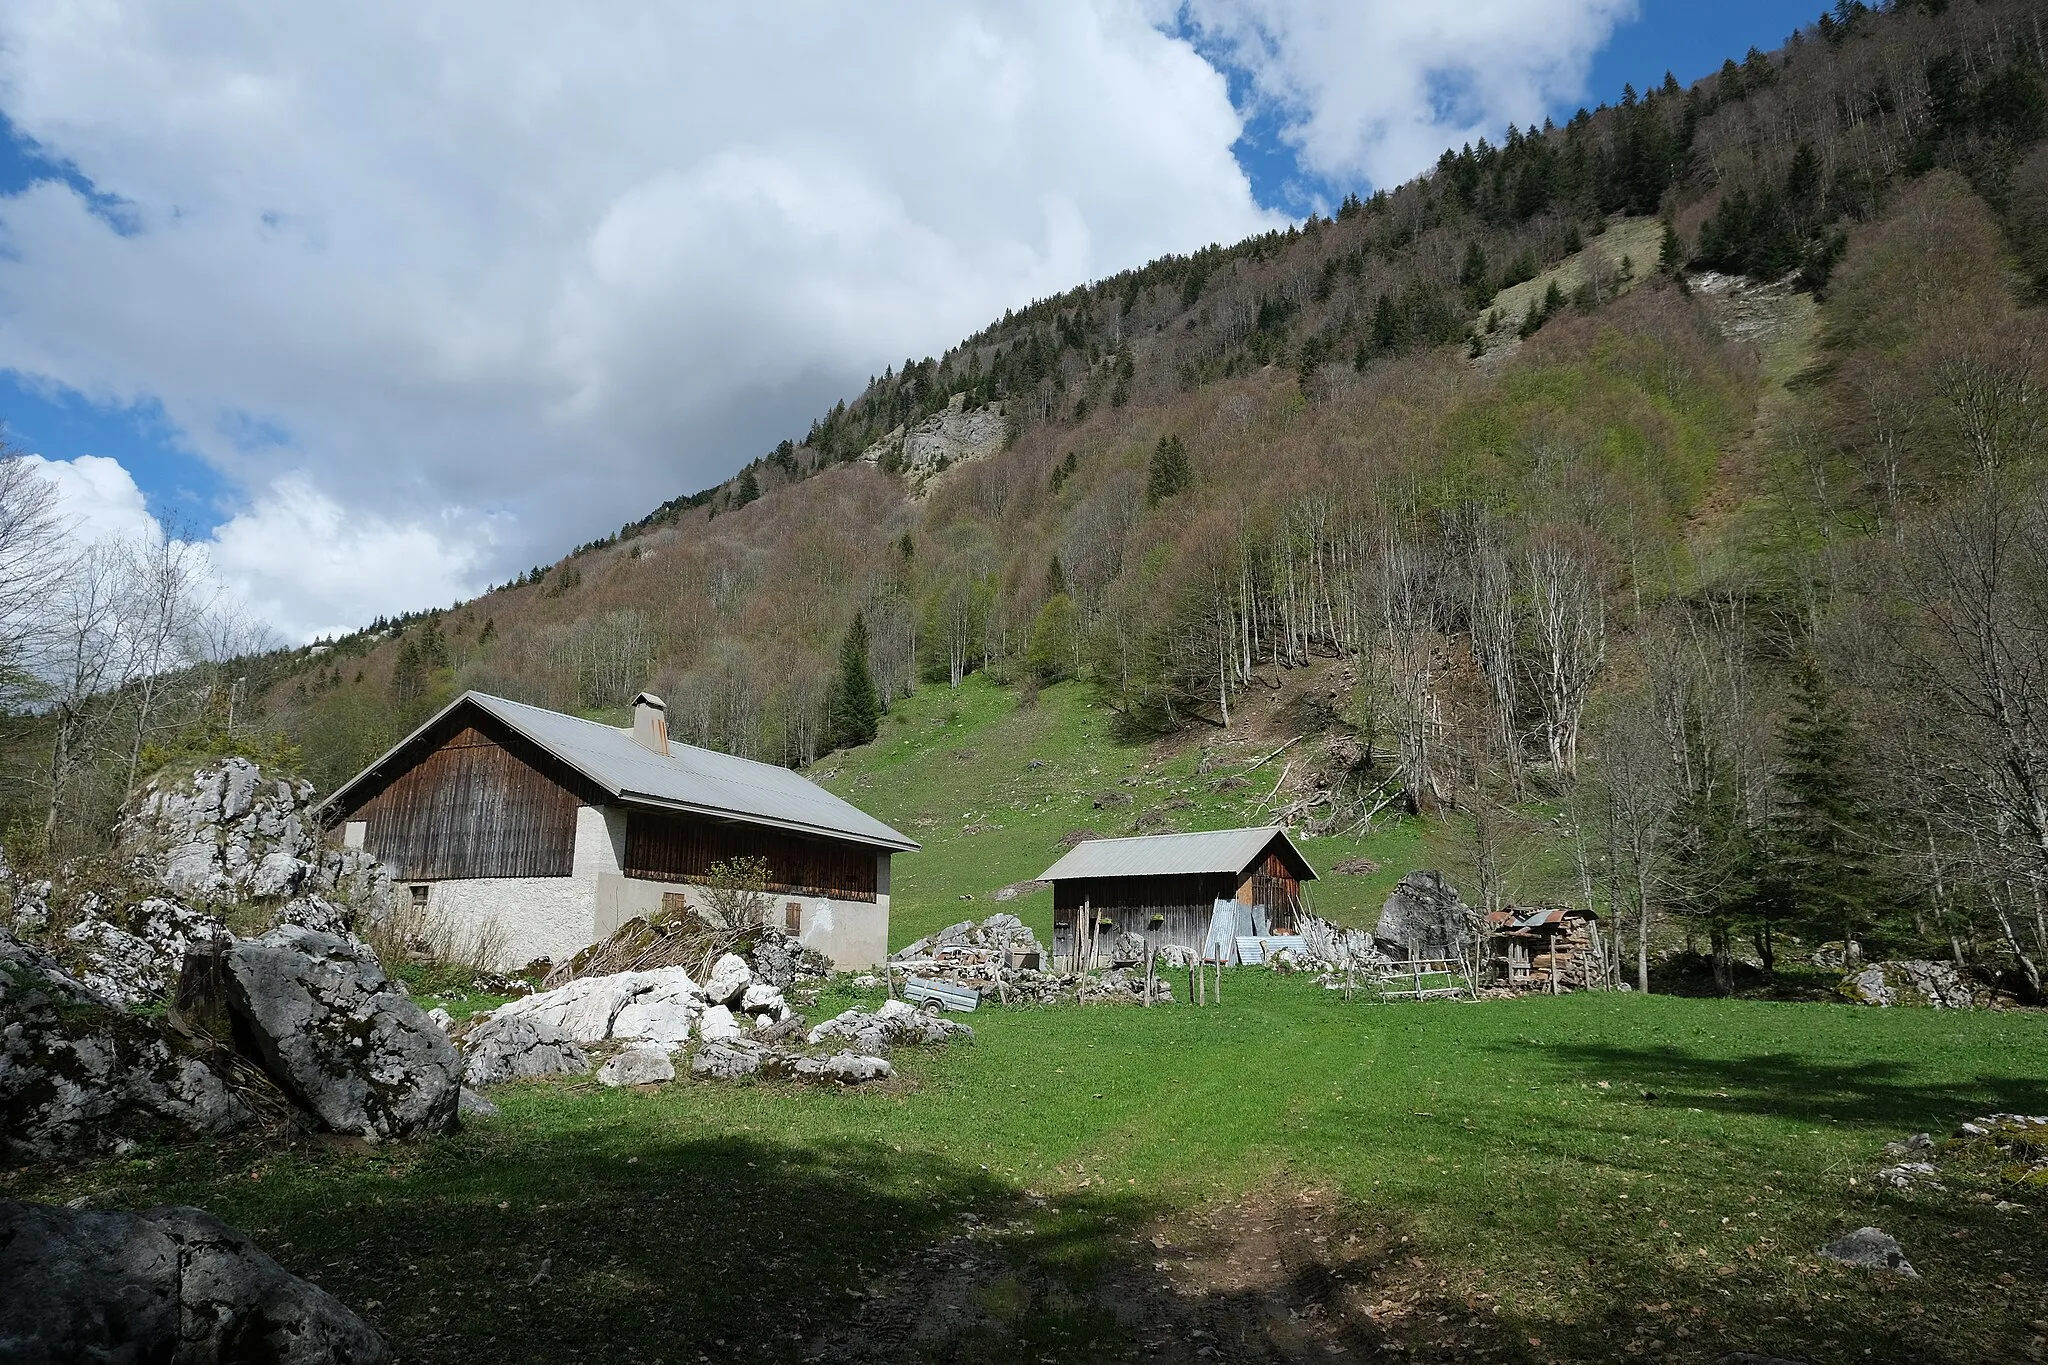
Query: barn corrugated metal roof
686, 778
1167, 855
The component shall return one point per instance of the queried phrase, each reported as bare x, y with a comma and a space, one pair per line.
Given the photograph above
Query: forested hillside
1658, 501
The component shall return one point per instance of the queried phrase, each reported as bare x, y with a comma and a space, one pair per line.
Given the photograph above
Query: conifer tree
1170, 472
1823, 822
853, 710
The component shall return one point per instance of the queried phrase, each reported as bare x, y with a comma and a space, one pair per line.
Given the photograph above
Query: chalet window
419, 897
793, 917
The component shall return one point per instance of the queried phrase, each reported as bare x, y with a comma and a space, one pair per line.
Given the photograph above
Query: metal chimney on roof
650, 722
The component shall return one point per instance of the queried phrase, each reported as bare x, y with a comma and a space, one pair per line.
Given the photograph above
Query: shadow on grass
1788, 1084
512, 1243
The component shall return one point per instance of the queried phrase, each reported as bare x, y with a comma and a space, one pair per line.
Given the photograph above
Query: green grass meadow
1578, 1178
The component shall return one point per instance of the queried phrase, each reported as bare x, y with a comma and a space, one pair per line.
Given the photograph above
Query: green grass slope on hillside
953, 769
1591, 1177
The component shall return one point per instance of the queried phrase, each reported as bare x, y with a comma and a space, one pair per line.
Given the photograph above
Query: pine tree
1055, 578
1671, 255
1170, 472
750, 488
1821, 833
853, 711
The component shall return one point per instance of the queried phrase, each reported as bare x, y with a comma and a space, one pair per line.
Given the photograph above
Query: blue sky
386, 341
1688, 39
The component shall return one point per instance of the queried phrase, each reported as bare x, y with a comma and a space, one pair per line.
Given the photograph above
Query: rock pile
168, 1284
1004, 960
968, 949
741, 1026
895, 1022
1885, 984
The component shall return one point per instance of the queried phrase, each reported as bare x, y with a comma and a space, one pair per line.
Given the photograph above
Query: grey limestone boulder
341, 1038
78, 1074
718, 1025
848, 1068
1424, 916
172, 1285
520, 1047
1870, 1249
730, 977
644, 1064
727, 1061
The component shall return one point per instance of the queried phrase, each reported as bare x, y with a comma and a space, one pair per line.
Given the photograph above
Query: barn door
1277, 894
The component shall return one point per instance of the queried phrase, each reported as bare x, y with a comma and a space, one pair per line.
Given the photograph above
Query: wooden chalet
546, 832
1547, 949
1165, 889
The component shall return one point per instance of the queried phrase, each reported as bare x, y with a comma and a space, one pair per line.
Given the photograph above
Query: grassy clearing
952, 769
1589, 1177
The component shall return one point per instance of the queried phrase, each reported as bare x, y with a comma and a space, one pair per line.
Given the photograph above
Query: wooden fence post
1148, 976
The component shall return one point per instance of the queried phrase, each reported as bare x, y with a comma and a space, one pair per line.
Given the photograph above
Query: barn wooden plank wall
1182, 905
473, 807
680, 848
1274, 885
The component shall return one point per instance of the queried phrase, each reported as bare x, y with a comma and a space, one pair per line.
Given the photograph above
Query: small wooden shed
1163, 888
1547, 948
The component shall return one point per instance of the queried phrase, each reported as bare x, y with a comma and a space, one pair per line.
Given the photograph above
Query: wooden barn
1163, 888
1548, 949
546, 832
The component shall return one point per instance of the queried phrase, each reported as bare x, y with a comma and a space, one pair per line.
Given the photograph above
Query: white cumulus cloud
1378, 88
443, 289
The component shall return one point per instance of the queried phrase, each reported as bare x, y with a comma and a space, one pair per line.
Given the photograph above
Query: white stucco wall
854, 934
557, 917
546, 917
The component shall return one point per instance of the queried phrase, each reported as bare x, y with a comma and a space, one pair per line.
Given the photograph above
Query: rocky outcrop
337, 1035
77, 1073
1425, 917
956, 436
728, 1061
191, 848
847, 1068
173, 1285
1935, 984
132, 956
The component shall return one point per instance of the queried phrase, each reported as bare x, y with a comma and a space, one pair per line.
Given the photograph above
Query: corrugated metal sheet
1166, 855
685, 778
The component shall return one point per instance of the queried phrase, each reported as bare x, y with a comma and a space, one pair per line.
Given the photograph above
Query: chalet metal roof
1168, 855
686, 778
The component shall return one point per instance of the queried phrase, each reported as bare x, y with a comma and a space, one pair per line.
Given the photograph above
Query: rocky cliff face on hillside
955, 436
